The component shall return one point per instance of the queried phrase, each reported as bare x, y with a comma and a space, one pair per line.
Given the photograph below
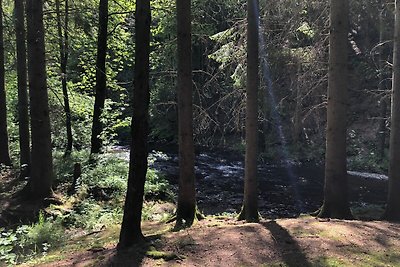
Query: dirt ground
214, 241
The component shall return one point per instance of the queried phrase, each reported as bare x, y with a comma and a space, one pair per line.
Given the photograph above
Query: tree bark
4, 149
41, 179
393, 203
63, 45
250, 204
23, 109
101, 78
186, 210
131, 232
336, 203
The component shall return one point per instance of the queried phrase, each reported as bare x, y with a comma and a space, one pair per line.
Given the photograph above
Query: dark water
285, 189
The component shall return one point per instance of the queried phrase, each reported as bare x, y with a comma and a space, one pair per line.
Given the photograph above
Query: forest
199, 133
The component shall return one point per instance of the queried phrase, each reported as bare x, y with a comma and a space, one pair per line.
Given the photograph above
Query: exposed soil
284, 242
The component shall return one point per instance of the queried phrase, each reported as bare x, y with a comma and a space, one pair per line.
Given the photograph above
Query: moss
329, 262
155, 254
383, 258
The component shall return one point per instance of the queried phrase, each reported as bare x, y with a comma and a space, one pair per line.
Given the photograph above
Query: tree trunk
23, 110
336, 185
393, 203
42, 161
101, 78
383, 102
131, 232
186, 210
250, 204
4, 150
297, 124
63, 44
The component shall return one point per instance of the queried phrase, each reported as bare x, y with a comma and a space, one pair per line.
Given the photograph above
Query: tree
186, 209
392, 211
63, 44
336, 189
41, 171
4, 150
381, 137
23, 110
101, 78
131, 232
250, 202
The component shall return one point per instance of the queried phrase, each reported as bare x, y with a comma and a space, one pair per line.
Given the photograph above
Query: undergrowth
96, 203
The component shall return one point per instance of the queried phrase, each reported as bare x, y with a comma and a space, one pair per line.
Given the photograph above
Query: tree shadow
292, 253
134, 255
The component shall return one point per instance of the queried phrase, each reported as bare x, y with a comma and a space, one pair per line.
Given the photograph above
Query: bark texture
186, 210
23, 110
393, 203
336, 203
42, 161
101, 78
4, 149
131, 232
250, 203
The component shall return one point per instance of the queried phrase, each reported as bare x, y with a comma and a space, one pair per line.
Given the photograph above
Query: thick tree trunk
250, 204
186, 210
63, 44
131, 232
393, 203
42, 161
336, 185
101, 78
4, 150
23, 110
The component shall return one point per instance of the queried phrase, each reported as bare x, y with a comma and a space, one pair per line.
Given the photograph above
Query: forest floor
222, 241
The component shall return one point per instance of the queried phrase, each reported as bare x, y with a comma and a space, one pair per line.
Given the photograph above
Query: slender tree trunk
393, 203
250, 204
297, 124
101, 78
4, 150
186, 210
131, 232
336, 186
63, 44
23, 109
42, 161
381, 88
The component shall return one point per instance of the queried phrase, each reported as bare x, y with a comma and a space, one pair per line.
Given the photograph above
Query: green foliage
92, 216
30, 240
157, 187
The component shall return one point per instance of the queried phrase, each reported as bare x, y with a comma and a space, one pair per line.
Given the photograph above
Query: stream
286, 189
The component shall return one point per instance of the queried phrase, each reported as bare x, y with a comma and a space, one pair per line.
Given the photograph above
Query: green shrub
30, 240
90, 215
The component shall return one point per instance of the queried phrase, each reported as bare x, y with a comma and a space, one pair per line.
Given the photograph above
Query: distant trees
392, 211
250, 203
23, 110
4, 150
186, 210
41, 171
62, 31
131, 232
101, 78
336, 189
